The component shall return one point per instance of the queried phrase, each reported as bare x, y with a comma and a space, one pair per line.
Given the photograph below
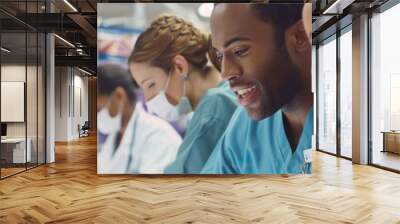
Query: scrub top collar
221, 83
284, 145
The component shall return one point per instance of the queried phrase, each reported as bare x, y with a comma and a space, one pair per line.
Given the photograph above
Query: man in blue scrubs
265, 54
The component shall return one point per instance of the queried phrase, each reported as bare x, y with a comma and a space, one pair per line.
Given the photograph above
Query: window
327, 96
385, 89
346, 93
22, 75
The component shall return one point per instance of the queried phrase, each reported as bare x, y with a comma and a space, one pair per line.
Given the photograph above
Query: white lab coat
154, 147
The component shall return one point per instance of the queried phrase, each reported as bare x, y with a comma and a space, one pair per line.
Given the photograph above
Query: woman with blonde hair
169, 62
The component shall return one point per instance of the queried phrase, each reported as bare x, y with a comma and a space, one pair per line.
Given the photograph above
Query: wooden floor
70, 191
10, 171
5, 172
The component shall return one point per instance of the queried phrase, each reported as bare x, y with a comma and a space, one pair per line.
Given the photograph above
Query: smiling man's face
257, 65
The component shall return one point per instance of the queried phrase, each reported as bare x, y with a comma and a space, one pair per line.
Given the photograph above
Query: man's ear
117, 98
296, 37
119, 93
180, 66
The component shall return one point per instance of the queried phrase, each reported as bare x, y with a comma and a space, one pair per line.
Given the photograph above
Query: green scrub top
209, 121
259, 147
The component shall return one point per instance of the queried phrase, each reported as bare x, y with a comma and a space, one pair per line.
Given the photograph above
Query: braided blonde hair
167, 37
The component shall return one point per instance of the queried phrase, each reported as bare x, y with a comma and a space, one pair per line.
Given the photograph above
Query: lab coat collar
117, 162
128, 137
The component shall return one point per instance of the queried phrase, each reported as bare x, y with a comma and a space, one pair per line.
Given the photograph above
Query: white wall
70, 83
61, 103
33, 126
82, 83
16, 73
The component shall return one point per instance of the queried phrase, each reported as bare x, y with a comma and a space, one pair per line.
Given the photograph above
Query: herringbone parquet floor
70, 191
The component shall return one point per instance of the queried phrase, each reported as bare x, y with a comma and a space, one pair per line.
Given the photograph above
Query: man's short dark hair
281, 15
111, 76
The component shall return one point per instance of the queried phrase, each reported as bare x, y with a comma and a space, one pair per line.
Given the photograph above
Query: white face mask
162, 107
107, 124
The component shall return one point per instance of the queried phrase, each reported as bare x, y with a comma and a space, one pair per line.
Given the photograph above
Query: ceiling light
65, 41
70, 5
205, 9
329, 9
5, 50
79, 51
86, 72
338, 6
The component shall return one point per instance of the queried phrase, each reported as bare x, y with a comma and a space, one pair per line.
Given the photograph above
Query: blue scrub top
209, 121
259, 147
